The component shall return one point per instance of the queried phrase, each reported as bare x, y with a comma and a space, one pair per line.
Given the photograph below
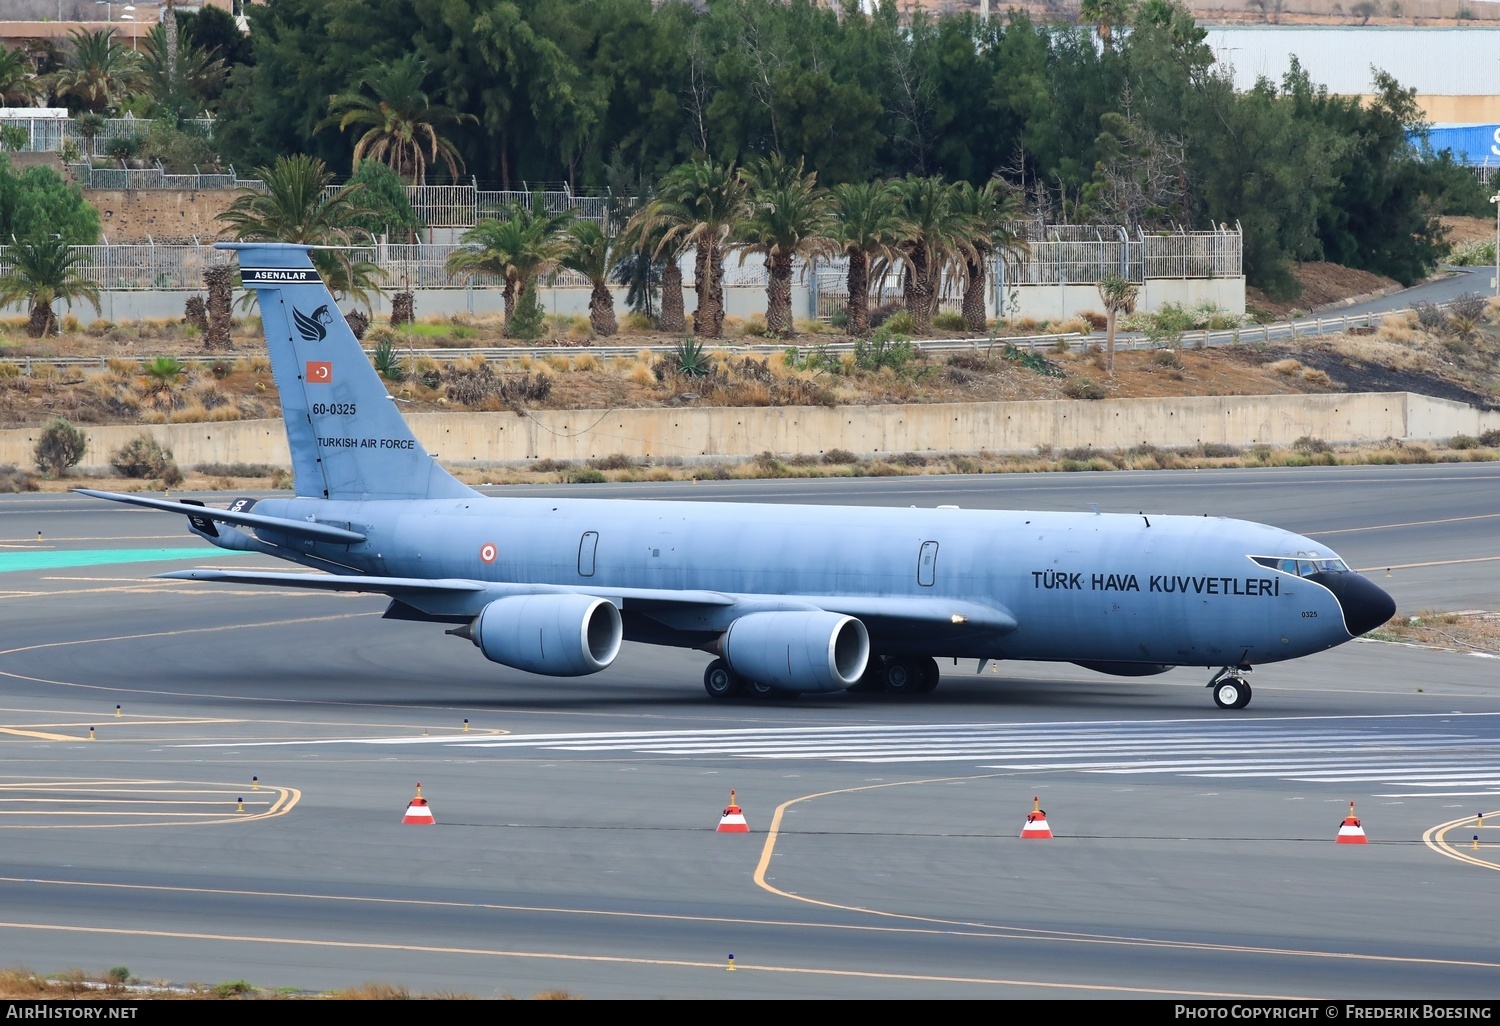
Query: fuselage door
586, 548
927, 564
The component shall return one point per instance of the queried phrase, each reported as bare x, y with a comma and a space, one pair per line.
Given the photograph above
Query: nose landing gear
1231, 689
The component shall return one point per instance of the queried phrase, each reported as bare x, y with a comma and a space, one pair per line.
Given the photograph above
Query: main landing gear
1231, 689
723, 683
894, 675
899, 675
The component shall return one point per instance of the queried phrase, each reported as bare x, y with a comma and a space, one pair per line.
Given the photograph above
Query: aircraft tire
870, 680
1231, 693
929, 675
767, 693
721, 682
902, 676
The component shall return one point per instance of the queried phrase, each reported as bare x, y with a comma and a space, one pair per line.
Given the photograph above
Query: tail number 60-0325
335, 409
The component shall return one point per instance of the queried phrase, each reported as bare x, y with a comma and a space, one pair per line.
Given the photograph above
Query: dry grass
1473, 630
21, 984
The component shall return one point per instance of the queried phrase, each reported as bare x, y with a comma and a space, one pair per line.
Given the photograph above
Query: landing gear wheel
902, 676
1231, 693
870, 680
766, 692
929, 674
721, 682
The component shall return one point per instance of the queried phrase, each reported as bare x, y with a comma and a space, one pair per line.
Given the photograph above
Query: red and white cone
1036, 827
733, 819
1351, 832
419, 813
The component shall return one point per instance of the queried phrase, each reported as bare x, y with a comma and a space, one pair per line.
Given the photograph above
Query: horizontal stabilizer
296, 528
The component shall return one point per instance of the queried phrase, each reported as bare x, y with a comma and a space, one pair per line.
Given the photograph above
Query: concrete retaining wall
714, 433
1039, 302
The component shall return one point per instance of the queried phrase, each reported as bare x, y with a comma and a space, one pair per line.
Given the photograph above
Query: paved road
575, 846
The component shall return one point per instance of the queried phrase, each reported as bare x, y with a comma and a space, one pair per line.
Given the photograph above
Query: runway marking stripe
39, 735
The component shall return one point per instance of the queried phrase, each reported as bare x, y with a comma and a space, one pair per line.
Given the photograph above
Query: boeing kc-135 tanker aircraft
787, 598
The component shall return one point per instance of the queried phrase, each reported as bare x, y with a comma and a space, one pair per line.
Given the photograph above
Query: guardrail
1293, 331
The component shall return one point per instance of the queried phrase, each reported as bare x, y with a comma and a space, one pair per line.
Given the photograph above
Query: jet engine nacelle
798, 651
558, 635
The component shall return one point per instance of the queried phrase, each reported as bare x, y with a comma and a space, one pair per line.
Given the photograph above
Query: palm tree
18, 81
528, 243
42, 272
297, 207
867, 224
178, 81
99, 72
1118, 295
592, 253
700, 203
933, 235
991, 212
649, 241
1106, 16
401, 124
789, 219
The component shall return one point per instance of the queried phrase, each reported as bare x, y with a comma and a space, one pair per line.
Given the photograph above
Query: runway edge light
733, 819
1036, 828
1351, 832
418, 812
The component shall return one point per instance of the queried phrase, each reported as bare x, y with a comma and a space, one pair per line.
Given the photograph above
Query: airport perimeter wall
714, 433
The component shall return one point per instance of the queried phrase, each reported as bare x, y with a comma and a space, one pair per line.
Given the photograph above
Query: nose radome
1365, 604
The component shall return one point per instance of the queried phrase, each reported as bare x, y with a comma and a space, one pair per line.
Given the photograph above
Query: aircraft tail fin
347, 438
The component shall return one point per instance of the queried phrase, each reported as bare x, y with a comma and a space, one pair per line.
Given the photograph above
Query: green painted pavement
58, 558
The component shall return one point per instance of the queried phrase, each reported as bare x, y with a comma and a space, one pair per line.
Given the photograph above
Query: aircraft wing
202, 517
407, 586
683, 608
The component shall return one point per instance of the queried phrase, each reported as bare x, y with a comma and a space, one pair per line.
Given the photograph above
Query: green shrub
949, 321
587, 475
884, 348
59, 446
690, 359
529, 321
142, 456
387, 363
1084, 387
900, 323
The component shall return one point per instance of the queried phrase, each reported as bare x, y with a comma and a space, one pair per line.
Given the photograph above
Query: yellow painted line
672, 963
774, 833
1433, 562
38, 735
105, 800
1436, 838
266, 803
1413, 523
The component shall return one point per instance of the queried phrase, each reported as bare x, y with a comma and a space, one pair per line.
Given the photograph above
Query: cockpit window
1304, 566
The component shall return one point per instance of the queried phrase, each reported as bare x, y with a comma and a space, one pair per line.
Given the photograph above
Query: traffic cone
733, 820
1036, 827
1351, 832
419, 813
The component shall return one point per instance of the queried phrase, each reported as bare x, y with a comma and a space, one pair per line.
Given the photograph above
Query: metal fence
48, 134
463, 206
1112, 250
125, 267
1064, 255
425, 265
90, 177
